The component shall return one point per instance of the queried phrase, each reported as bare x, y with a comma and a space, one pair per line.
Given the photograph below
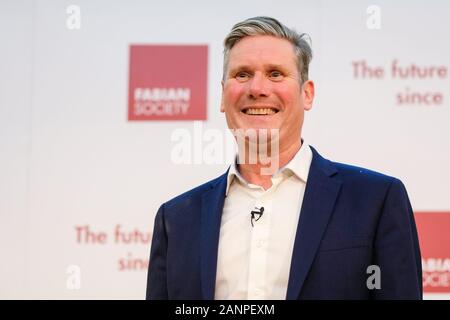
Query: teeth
260, 111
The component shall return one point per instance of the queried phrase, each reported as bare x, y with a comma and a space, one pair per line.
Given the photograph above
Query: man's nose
258, 86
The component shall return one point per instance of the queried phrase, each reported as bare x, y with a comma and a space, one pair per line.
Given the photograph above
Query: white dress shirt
254, 262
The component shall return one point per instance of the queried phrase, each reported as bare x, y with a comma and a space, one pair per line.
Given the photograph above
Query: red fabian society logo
434, 237
167, 82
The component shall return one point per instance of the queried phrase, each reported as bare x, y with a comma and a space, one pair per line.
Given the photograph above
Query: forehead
253, 50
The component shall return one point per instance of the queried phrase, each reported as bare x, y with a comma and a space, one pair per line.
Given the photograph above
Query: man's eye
242, 75
276, 74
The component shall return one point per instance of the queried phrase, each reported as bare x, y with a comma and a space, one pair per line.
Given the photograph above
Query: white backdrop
69, 157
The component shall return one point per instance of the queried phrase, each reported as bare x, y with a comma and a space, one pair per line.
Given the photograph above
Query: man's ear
222, 107
308, 94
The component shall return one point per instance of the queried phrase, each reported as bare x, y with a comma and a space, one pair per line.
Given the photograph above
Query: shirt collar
299, 166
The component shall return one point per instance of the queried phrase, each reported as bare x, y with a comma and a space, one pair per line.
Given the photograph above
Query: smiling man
263, 88
311, 229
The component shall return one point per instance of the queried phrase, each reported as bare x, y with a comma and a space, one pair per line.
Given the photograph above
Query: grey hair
270, 26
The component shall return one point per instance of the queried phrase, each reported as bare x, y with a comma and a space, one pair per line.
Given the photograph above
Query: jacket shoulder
364, 176
350, 173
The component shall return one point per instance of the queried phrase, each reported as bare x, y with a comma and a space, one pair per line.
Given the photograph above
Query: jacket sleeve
157, 269
397, 250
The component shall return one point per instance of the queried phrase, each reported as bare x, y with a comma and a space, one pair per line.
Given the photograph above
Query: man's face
261, 88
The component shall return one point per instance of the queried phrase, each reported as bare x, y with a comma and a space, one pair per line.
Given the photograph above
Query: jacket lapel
318, 203
211, 213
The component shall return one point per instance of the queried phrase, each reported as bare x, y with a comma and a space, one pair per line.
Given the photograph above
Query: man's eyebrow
248, 67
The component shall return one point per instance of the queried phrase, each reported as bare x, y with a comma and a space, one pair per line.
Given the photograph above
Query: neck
252, 172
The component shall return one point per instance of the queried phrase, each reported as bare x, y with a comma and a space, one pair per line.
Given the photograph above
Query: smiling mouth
260, 111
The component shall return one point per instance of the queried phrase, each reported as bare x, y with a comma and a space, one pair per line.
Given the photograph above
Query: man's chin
260, 135
258, 127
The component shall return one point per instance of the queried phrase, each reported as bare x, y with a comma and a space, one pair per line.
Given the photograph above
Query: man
314, 229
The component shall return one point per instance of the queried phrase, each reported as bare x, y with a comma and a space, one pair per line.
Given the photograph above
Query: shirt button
260, 243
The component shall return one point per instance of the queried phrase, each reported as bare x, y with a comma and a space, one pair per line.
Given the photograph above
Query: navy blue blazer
350, 218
